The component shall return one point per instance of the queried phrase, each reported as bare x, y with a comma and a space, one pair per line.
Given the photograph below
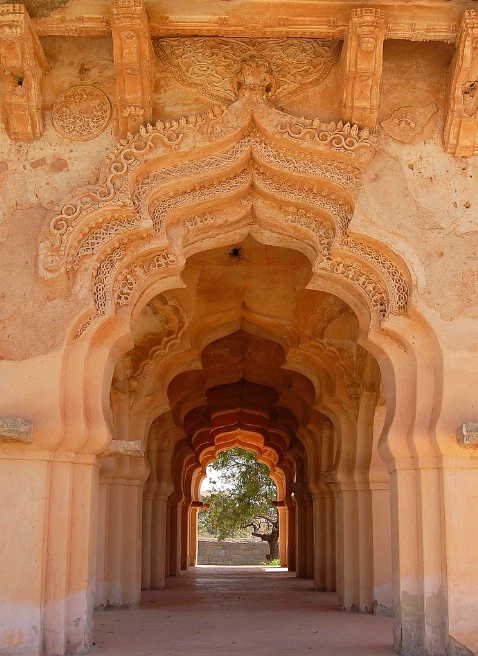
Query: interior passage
237, 611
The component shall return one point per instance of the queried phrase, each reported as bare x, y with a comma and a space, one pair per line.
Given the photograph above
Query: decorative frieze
462, 121
336, 137
23, 64
362, 66
223, 69
128, 279
134, 64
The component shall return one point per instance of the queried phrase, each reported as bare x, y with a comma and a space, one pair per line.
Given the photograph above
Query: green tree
241, 498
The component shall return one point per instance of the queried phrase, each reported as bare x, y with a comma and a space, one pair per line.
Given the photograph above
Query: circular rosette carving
81, 113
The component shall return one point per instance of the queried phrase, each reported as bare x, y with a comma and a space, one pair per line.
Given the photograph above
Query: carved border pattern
160, 209
340, 138
128, 279
397, 283
121, 161
101, 287
96, 238
353, 272
314, 223
148, 183
336, 172
325, 200
311, 165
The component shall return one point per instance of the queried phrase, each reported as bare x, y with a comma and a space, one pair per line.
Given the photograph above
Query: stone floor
234, 611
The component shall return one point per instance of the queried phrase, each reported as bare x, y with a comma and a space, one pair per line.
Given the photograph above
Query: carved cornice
173, 18
461, 127
23, 63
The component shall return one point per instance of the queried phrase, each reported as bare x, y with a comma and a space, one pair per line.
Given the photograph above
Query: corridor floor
234, 611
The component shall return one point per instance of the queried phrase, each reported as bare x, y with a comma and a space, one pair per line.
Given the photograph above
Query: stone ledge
13, 429
468, 435
117, 448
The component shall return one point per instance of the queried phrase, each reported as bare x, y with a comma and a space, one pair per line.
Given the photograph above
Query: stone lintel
23, 63
427, 22
122, 448
461, 126
13, 429
134, 64
468, 435
362, 66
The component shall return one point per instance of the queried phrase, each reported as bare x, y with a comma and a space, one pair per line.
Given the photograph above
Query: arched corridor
248, 276
236, 612
280, 374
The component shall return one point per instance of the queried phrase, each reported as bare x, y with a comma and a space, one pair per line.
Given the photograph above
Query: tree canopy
241, 497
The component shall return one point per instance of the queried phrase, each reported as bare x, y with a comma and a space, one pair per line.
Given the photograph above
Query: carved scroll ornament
221, 69
81, 113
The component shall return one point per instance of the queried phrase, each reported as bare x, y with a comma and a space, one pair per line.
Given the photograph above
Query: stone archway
179, 189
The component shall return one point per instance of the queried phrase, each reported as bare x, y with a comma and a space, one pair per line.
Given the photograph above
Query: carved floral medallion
81, 113
220, 68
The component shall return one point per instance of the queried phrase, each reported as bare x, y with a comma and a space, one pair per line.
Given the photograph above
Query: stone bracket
462, 121
468, 435
134, 64
122, 448
16, 430
362, 66
23, 63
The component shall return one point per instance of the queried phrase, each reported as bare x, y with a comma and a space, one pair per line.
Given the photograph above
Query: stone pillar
310, 535
158, 542
331, 545
175, 538
283, 534
24, 490
193, 536
302, 531
291, 536
320, 533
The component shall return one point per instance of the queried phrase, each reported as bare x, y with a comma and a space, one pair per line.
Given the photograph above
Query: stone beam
462, 121
23, 63
134, 64
362, 66
416, 21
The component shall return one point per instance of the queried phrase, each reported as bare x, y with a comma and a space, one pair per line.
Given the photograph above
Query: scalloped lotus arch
170, 186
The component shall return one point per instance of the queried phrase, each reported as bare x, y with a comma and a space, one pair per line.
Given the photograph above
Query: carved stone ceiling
261, 292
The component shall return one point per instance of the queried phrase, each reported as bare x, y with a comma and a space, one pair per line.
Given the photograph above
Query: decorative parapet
16, 430
468, 435
23, 63
134, 64
461, 126
122, 448
362, 66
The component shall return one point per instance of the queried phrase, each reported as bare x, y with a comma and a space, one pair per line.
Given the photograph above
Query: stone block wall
231, 552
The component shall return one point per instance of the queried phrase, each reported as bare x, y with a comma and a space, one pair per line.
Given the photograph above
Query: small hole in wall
236, 252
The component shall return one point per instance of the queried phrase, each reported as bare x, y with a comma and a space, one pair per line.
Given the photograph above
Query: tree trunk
273, 546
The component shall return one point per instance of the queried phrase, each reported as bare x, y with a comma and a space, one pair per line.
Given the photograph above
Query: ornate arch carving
183, 181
